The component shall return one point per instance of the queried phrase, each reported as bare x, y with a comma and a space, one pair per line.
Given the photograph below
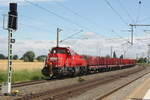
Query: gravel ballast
121, 94
60, 83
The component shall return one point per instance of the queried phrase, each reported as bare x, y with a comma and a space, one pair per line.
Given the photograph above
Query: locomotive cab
58, 56
55, 61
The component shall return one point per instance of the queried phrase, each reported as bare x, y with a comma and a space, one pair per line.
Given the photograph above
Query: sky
104, 24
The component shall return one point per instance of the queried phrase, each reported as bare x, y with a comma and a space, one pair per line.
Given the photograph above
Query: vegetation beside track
19, 65
144, 64
22, 75
2, 76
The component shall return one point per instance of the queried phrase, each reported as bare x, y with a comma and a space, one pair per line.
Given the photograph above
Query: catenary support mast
132, 29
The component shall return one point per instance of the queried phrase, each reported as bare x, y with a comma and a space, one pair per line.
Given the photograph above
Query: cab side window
68, 52
53, 51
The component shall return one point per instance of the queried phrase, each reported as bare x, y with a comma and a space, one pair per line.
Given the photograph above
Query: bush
41, 58
15, 57
29, 56
2, 56
26, 59
121, 57
142, 60
108, 56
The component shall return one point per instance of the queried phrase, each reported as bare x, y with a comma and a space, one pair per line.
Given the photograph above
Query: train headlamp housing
54, 58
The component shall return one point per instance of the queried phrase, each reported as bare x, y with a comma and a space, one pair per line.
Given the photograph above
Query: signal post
11, 27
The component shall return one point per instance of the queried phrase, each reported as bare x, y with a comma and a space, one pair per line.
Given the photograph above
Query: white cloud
91, 46
39, 47
92, 35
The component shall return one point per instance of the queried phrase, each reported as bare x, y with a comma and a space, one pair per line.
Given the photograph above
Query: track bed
64, 89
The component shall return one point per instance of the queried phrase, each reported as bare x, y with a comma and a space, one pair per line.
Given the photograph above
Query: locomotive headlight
53, 58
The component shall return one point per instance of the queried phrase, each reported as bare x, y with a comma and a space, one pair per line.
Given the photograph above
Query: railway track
20, 84
66, 92
34, 82
27, 83
118, 88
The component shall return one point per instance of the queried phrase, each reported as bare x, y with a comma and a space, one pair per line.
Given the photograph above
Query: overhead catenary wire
120, 37
147, 31
126, 11
71, 36
138, 12
37, 28
77, 14
113, 31
51, 12
59, 16
34, 27
115, 11
31, 26
42, 21
65, 19
144, 19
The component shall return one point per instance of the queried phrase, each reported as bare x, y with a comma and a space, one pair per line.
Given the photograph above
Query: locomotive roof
60, 47
67, 48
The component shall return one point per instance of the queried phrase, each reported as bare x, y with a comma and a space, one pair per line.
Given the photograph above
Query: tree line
29, 56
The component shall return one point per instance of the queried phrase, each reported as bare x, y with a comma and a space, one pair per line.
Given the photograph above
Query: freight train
62, 61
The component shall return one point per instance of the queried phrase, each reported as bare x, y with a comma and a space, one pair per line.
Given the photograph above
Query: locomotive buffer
11, 27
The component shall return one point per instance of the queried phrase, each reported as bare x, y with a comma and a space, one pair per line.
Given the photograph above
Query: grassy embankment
22, 71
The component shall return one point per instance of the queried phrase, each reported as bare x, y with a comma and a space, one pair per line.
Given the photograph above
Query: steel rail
68, 91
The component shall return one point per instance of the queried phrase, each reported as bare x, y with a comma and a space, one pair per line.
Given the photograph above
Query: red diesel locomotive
64, 61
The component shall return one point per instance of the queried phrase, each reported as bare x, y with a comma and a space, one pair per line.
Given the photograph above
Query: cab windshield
60, 51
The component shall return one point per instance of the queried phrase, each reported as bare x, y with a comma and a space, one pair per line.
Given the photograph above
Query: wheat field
20, 65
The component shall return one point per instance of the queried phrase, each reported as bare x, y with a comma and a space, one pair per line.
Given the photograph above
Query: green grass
3, 76
21, 76
144, 64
